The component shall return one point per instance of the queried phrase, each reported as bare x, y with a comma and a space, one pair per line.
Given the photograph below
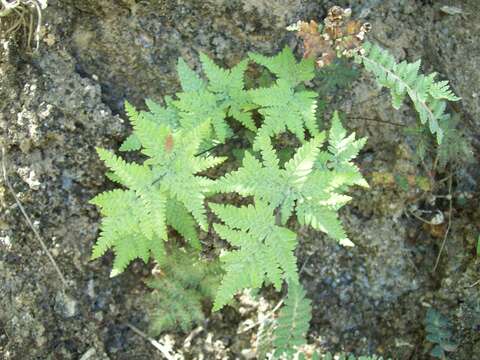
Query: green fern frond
285, 109
292, 323
402, 79
264, 251
139, 179
314, 187
285, 66
162, 115
186, 281
343, 149
164, 190
167, 116
178, 217
174, 164
223, 95
131, 143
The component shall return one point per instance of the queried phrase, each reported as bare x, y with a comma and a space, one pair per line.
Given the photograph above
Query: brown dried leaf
169, 143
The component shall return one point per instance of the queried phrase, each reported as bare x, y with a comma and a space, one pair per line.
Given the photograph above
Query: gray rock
65, 305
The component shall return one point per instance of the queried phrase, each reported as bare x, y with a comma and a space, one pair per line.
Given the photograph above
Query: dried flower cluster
339, 37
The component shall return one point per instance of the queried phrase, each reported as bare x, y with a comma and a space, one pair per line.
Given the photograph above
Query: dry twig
165, 352
27, 218
450, 206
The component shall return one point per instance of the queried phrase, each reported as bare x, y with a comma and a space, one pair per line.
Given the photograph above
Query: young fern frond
229, 88
402, 79
139, 179
189, 79
292, 323
178, 292
178, 217
162, 115
167, 116
263, 251
199, 107
125, 227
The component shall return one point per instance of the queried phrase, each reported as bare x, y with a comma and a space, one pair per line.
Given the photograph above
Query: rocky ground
58, 104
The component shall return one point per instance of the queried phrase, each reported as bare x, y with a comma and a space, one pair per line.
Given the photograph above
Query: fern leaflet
189, 79
123, 228
229, 88
158, 114
222, 96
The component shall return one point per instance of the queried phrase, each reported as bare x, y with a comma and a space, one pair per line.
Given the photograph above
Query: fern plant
171, 198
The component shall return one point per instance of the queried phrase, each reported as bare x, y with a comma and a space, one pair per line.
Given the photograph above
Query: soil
59, 103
